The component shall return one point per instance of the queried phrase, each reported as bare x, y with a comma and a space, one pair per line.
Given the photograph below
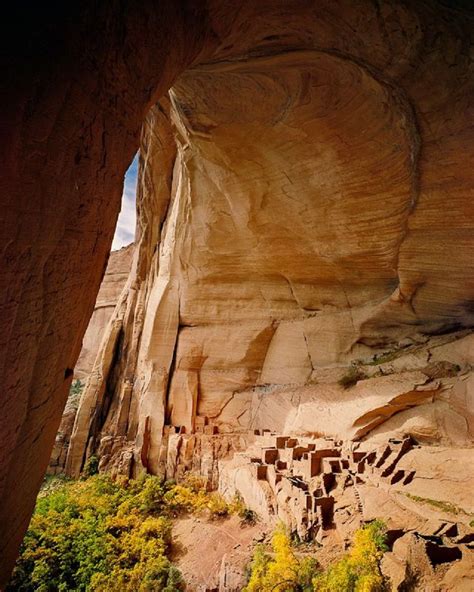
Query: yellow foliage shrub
99, 534
191, 497
359, 571
283, 571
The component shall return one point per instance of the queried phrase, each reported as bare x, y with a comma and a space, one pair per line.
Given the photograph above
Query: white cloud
125, 231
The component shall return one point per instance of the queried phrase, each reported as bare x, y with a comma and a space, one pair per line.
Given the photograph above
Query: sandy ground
205, 550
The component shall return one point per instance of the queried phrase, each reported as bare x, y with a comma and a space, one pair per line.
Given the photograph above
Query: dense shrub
91, 466
358, 571
191, 496
284, 571
97, 534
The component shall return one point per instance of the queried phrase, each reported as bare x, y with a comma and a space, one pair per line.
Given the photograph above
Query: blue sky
125, 231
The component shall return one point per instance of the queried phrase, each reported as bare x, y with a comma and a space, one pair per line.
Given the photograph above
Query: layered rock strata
305, 203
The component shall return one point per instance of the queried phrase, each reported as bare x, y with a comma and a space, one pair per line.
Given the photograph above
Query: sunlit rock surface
295, 230
294, 224
118, 269
294, 217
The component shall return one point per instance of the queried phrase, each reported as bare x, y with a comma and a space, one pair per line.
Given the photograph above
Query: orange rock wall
116, 274
291, 216
78, 79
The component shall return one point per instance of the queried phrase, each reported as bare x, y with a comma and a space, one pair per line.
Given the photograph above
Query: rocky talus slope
303, 266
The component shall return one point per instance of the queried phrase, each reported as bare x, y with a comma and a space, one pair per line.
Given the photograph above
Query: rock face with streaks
294, 220
116, 274
299, 272
305, 205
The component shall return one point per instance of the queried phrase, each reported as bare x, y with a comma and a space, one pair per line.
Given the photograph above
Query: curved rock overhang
342, 129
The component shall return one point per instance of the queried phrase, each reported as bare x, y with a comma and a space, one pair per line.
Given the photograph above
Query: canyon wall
297, 327
115, 277
305, 204
113, 282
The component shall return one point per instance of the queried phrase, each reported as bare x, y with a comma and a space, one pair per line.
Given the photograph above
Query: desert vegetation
443, 506
281, 569
100, 534
75, 392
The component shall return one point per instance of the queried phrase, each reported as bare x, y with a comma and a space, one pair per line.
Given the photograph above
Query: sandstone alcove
305, 195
